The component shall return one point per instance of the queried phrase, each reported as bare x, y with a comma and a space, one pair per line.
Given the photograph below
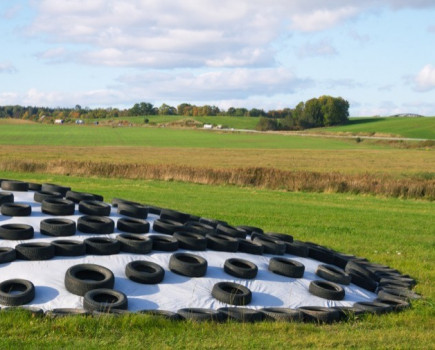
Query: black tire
34, 186
164, 243
95, 224
77, 197
400, 278
319, 314
55, 188
116, 201
280, 236
137, 211
222, 243
271, 245
362, 281
400, 293
16, 292
34, 251
15, 209
190, 241
104, 300
197, 227
16, 232
41, 195
231, 293
321, 254
286, 267
167, 227
132, 225
212, 222
189, 265
231, 231
93, 207
250, 247
326, 290
169, 315
174, 215
7, 255
102, 246
58, 227
62, 312
13, 185
281, 314
394, 283
240, 268
200, 314
241, 314
296, 248
57, 206
373, 307
341, 259
145, 272
250, 229
152, 209
395, 304
333, 274
63, 247
6, 197
79, 279
360, 267
134, 243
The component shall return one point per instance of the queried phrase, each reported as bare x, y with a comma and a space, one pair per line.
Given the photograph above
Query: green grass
389, 231
423, 127
72, 135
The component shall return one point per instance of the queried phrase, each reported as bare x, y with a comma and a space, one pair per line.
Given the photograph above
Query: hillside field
390, 231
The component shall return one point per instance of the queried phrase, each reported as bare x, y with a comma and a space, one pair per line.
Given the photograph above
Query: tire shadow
44, 294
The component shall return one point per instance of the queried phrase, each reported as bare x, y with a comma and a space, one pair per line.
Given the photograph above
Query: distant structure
208, 126
408, 115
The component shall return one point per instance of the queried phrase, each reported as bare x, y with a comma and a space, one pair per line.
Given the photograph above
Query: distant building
208, 126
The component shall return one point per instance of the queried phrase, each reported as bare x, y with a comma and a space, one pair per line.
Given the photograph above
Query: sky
377, 54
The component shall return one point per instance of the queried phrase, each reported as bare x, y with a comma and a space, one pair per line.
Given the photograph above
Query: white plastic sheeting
175, 291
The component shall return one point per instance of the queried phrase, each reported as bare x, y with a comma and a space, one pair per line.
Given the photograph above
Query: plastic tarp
175, 291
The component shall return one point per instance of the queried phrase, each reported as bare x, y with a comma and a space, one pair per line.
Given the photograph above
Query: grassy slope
389, 231
405, 127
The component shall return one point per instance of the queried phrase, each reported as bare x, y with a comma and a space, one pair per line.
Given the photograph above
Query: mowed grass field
391, 231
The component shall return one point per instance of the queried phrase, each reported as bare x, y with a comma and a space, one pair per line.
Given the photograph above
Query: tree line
316, 112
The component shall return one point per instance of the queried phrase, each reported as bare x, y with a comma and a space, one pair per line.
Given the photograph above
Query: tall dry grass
416, 187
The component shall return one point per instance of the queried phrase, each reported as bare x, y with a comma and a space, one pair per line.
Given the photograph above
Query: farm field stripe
254, 177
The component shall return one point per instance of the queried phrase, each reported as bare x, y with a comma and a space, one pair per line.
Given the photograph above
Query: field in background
390, 231
422, 127
273, 161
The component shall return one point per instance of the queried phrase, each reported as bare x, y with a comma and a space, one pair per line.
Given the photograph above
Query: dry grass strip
270, 178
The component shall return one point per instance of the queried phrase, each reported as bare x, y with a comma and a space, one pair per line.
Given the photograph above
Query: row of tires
102, 301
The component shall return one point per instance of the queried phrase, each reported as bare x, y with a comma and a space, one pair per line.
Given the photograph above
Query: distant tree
265, 124
165, 109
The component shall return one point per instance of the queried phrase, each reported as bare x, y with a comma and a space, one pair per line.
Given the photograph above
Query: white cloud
322, 19
156, 85
425, 79
168, 33
7, 67
320, 48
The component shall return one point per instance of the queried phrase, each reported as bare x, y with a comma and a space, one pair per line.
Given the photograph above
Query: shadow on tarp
44, 294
